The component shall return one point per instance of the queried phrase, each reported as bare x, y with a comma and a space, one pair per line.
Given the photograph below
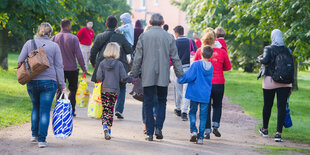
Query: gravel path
239, 135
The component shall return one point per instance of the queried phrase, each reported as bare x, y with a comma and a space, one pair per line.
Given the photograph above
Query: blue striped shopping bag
62, 118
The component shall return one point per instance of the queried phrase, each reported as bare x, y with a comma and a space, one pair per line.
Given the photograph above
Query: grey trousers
181, 103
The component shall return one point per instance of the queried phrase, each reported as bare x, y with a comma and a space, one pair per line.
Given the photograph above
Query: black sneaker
177, 112
193, 137
207, 136
119, 115
158, 134
278, 138
149, 138
74, 114
263, 132
216, 132
184, 116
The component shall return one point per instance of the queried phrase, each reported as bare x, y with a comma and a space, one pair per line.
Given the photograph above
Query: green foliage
21, 18
248, 25
245, 90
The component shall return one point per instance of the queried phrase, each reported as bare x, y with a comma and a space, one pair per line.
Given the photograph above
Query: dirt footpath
239, 135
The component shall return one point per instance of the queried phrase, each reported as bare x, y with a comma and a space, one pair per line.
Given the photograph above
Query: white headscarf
277, 37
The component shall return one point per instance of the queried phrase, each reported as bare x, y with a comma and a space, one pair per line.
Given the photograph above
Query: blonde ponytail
44, 29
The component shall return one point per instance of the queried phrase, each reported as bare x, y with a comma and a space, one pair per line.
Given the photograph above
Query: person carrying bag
35, 63
41, 81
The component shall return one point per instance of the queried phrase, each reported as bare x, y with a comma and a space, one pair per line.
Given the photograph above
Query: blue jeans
202, 116
143, 111
150, 93
42, 93
119, 107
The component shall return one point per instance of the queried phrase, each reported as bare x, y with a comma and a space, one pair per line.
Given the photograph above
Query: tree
249, 23
19, 19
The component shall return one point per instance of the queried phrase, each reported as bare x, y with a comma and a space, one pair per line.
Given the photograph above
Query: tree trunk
295, 84
3, 49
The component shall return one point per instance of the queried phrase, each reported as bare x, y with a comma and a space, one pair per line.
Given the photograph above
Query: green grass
243, 89
15, 104
268, 149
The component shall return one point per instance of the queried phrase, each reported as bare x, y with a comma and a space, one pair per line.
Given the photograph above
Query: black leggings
282, 95
217, 94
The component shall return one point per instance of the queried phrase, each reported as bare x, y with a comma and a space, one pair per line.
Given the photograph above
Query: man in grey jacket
153, 50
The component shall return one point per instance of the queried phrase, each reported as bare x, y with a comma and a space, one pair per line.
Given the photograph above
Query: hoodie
127, 28
111, 72
199, 79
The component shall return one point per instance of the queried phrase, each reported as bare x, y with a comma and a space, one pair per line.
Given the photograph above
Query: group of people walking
125, 54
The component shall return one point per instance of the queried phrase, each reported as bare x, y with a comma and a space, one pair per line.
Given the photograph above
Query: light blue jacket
127, 29
199, 79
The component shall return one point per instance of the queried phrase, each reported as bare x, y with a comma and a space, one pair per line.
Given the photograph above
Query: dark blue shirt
183, 45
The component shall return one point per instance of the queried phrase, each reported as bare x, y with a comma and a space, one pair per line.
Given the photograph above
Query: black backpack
283, 71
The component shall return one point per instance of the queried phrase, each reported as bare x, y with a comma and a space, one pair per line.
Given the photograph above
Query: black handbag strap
34, 44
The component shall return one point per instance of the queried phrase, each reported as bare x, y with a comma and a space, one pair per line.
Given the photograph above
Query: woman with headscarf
137, 32
270, 87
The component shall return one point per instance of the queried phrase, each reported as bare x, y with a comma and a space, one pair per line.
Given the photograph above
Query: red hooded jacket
220, 63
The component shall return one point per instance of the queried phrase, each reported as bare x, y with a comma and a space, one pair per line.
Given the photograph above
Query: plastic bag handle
65, 96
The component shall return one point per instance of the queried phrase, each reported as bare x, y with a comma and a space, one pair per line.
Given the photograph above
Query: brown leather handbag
35, 63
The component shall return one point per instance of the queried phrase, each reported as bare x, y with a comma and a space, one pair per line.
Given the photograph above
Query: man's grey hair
157, 19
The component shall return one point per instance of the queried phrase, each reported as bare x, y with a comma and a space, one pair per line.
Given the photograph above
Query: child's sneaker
199, 141
193, 137
263, 132
207, 136
278, 138
107, 135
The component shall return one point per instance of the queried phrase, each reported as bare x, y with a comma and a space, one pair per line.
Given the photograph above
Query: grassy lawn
243, 89
15, 104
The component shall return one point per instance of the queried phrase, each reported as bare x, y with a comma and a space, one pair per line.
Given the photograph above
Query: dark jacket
183, 46
112, 72
137, 32
102, 39
268, 60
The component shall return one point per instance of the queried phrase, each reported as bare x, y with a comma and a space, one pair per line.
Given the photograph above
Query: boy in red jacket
220, 34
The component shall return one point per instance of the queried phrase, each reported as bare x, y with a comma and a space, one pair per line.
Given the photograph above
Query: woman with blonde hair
220, 63
111, 72
42, 89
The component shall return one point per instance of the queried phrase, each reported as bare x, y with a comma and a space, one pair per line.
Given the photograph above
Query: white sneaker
34, 139
199, 141
42, 144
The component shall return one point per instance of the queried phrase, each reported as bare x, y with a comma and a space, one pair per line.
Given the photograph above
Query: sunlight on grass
243, 89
